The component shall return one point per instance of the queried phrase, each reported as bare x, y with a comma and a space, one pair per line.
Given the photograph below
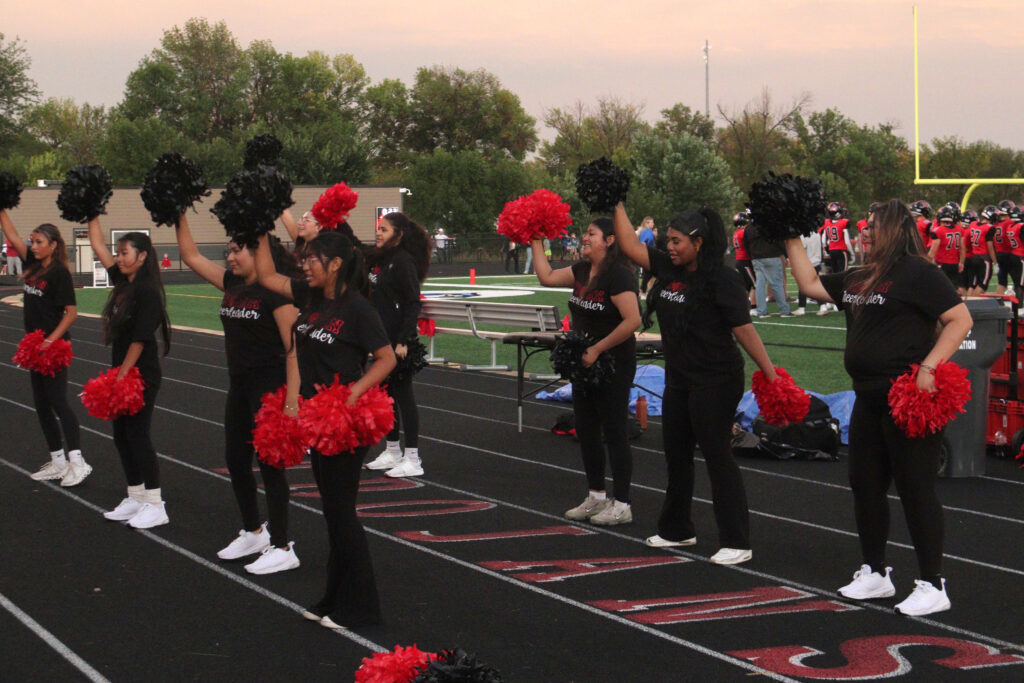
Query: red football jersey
739, 245
1013, 235
998, 238
925, 228
980, 234
950, 238
835, 233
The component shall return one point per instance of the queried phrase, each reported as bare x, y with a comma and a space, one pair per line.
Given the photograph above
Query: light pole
707, 79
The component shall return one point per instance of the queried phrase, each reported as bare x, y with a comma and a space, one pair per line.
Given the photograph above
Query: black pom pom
172, 186
10, 190
251, 202
414, 361
85, 193
567, 361
458, 666
601, 185
262, 149
783, 206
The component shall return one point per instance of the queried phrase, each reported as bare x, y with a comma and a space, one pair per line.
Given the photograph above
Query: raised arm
99, 246
12, 235
547, 276
803, 272
288, 220
629, 243
266, 273
200, 265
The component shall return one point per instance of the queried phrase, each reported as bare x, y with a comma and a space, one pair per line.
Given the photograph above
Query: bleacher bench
477, 313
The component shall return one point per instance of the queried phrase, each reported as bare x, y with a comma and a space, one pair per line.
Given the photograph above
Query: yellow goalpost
918, 180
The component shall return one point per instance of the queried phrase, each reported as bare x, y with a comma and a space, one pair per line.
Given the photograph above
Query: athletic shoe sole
659, 542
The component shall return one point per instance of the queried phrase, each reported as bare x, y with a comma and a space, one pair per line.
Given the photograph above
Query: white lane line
52, 640
533, 588
188, 554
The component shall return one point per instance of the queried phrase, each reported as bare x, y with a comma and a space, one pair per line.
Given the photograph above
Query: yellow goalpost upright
972, 183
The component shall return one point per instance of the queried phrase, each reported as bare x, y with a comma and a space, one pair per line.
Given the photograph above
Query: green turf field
810, 352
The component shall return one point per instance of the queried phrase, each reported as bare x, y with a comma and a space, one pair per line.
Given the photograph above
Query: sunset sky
854, 55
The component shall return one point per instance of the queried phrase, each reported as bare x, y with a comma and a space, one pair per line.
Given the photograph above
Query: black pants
977, 272
244, 394
703, 416
405, 408
1009, 269
880, 453
350, 598
802, 298
50, 394
134, 445
838, 260
746, 271
602, 418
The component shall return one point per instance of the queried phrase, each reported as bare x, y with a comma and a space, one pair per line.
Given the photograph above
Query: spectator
441, 240
13, 260
767, 258
165, 263
511, 251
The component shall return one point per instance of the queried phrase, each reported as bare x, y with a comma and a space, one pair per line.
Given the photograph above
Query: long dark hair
60, 253
894, 236
613, 256
706, 225
116, 315
410, 236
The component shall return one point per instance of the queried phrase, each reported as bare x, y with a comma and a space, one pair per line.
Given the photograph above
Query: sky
853, 55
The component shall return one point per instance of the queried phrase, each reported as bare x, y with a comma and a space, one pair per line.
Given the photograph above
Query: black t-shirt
700, 348
395, 293
145, 307
334, 339
594, 312
897, 326
47, 292
252, 340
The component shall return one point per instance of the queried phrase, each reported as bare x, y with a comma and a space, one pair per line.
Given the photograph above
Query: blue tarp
650, 377
840, 405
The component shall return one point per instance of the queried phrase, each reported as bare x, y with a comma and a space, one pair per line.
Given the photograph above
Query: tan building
125, 213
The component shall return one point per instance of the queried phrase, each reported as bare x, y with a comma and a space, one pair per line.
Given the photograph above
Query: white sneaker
732, 556
125, 510
800, 311
385, 461
869, 585
616, 513
406, 468
50, 471
657, 541
926, 599
75, 473
274, 559
327, 622
823, 309
247, 543
149, 516
588, 508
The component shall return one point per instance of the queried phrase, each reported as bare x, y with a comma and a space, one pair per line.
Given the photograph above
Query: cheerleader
702, 311
261, 358
135, 309
893, 305
335, 331
307, 228
397, 265
604, 304
49, 305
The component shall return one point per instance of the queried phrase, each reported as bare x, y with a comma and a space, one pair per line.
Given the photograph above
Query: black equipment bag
816, 438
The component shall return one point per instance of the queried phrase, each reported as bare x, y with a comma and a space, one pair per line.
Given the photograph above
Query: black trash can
965, 436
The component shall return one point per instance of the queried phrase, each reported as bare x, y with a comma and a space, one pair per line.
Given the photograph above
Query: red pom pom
374, 416
108, 398
326, 421
278, 439
334, 206
426, 327
540, 214
782, 401
919, 413
401, 666
49, 361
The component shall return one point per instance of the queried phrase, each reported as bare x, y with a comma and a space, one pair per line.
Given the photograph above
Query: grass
809, 347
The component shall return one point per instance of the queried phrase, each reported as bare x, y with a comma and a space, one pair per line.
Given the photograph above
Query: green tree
463, 191
388, 121
456, 110
74, 133
195, 82
679, 172
679, 118
584, 134
17, 90
132, 145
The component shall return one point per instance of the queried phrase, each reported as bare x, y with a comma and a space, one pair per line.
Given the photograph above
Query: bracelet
289, 407
927, 367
